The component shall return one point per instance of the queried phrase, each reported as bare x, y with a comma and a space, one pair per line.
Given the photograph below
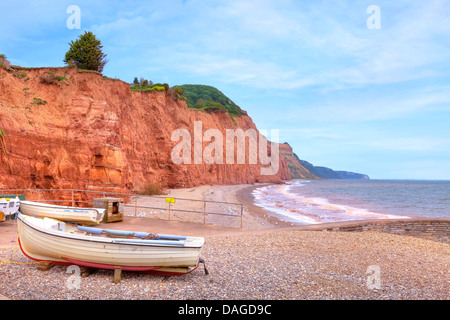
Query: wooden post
45, 266
73, 202
86, 272
117, 274
135, 206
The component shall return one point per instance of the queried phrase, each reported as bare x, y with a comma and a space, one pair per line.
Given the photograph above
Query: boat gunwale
55, 206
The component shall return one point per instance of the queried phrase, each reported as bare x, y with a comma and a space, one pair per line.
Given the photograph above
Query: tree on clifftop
86, 53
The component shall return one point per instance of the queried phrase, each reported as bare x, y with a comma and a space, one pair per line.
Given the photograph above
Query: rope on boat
151, 236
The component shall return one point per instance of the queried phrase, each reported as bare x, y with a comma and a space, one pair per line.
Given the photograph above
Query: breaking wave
290, 205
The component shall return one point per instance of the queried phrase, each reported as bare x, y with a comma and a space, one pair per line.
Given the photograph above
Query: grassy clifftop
209, 99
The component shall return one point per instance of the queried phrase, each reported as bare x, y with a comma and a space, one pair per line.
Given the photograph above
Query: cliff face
67, 129
296, 169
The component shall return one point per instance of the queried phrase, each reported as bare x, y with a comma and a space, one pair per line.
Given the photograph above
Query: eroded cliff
69, 129
296, 169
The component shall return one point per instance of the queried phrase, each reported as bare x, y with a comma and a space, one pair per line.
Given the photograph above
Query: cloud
284, 45
414, 144
315, 133
425, 169
371, 104
243, 71
409, 46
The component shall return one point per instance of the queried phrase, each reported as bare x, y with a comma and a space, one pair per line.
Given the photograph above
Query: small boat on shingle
57, 242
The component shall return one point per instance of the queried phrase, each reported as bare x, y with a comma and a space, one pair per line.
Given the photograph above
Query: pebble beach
263, 261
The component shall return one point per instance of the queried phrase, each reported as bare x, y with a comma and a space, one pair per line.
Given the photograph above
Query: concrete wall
432, 229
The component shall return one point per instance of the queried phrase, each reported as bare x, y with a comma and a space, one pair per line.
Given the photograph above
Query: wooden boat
69, 214
57, 242
8, 208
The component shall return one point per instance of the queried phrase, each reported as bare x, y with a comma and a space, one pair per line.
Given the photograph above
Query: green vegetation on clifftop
209, 99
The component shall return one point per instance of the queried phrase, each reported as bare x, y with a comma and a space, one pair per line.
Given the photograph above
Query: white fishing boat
57, 242
8, 208
69, 214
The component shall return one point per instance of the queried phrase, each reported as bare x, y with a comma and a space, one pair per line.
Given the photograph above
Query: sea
303, 202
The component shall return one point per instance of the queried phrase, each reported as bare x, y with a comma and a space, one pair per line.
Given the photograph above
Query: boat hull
8, 208
88, 216
41, 244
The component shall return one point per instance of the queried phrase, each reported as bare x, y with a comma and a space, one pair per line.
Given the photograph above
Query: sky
361, 86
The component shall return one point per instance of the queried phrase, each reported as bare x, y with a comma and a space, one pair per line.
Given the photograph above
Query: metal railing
142, 206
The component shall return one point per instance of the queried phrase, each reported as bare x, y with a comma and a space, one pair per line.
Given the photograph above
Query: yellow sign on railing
170, 200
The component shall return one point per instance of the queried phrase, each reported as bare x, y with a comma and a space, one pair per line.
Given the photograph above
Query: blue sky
374, 101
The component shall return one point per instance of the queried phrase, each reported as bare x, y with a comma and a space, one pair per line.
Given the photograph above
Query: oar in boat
123, 233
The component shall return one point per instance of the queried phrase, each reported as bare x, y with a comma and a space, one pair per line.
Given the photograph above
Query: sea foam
287, 203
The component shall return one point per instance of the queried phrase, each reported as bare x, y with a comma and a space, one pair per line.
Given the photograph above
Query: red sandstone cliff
85, 131
296, 169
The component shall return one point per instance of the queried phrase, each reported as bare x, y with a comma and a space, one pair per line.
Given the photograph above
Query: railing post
39, 195
204, 212
242, 215
169, 210
73, 202
135, 206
